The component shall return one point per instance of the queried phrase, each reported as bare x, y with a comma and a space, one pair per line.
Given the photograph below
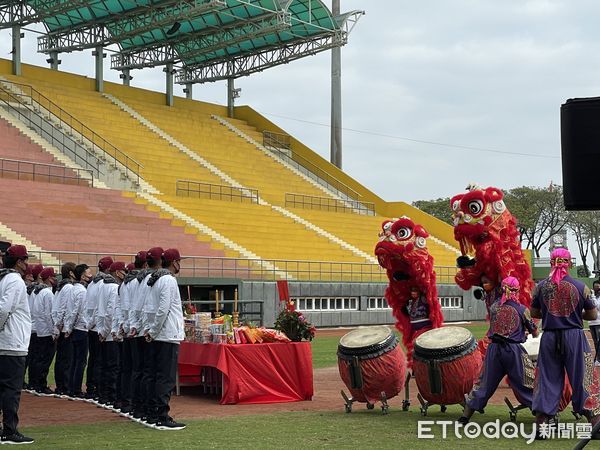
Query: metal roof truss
257, 62
21, 13
201, 43
125, 25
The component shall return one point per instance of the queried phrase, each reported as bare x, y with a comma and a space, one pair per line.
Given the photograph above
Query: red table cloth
255, 373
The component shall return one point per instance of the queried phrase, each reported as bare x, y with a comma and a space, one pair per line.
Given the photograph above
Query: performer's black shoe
466, 415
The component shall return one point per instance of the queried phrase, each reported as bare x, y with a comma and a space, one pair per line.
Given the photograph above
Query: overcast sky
490, 75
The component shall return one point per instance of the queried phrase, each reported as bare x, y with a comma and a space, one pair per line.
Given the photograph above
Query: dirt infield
194, 405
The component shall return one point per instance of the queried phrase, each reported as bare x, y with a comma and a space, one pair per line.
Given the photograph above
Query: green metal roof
308, 18
195, 33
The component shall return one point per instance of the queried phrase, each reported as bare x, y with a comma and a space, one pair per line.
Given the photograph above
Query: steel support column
169, 80
230, 97
188, 90
126, 77
99, 55
16, 50
336, 98
54, 61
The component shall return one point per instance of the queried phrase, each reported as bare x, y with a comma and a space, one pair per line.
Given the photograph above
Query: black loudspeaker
580, 142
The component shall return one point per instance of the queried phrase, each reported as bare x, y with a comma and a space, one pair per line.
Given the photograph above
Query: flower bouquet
294, 324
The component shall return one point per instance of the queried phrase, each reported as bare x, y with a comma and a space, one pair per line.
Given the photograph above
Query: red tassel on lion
402, 252
485, 229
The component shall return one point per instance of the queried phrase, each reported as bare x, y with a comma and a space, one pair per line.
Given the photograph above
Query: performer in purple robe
505, 356
563, 303
491, 294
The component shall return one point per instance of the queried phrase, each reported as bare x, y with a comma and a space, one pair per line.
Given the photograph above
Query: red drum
370, 362
446, 364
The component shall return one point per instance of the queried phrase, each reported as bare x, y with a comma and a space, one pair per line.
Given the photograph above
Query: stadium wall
363, 293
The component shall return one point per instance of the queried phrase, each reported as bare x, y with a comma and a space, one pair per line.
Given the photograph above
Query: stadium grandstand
110, 169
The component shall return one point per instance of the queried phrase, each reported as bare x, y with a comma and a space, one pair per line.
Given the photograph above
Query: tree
586, 228
540, 214
581, 223
439, 208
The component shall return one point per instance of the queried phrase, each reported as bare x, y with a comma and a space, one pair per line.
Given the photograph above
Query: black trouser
595, 332
109, 371
149, 379
62, 365
165, 360
93, 365
30, 355
138, 391
12, 374
126, 372
79, 353
40, 363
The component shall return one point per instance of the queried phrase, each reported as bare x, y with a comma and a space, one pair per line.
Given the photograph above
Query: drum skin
371, 361
384, 373
445, 373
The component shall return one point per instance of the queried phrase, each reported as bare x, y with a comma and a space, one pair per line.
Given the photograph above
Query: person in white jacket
41, 316
127, 293
36, 269
108, 300
62, 364
15, 331
144, 302
76, 329
91, 307
166, 332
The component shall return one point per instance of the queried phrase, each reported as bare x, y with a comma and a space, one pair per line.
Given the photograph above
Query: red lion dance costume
402, 252
484, 226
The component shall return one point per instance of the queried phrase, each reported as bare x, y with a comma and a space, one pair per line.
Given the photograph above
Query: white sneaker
596, 363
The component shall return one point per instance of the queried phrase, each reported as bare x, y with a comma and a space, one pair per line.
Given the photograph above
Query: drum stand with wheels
349, 401
406, 401
425, 405
513, 409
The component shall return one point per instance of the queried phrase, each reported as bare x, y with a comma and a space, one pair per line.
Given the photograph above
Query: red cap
117, 265
130, 267
48, 272
36, 269
17, 251
171, 254
141, 255
105, 263
155, 253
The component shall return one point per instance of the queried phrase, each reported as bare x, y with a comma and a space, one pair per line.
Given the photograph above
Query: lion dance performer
483, 226
563, 303
505, 356
412, 292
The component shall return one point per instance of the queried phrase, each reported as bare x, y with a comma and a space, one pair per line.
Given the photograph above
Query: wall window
451, 302
326, 303
377, 303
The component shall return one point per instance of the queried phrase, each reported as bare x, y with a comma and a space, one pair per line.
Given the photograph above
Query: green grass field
331, 429
360, 429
